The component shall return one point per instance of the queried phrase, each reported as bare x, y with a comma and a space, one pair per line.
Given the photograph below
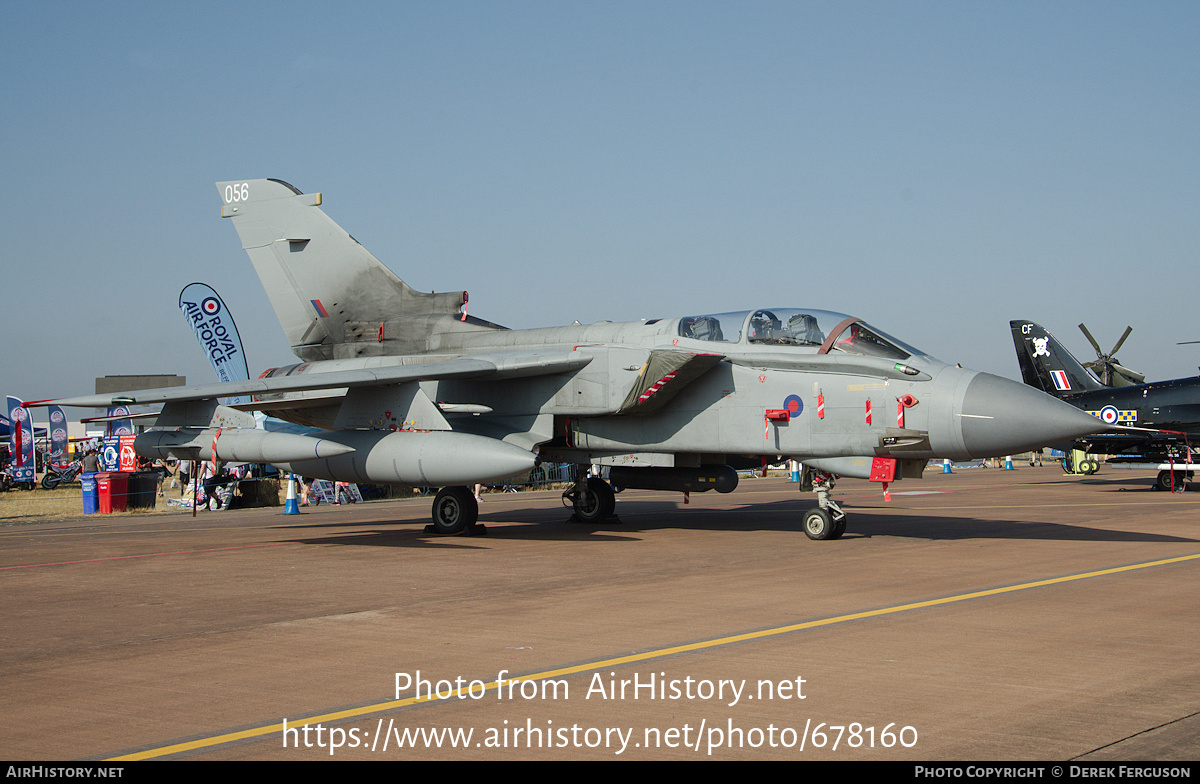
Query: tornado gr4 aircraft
412, 390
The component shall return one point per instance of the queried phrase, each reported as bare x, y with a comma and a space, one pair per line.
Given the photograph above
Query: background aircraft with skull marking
1156, 421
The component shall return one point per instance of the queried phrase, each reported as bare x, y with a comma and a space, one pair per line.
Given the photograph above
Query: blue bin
91, 501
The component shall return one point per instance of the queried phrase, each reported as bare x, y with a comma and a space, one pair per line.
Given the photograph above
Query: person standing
90, 462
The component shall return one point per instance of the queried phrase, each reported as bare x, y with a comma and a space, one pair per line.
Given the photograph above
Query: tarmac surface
983, 615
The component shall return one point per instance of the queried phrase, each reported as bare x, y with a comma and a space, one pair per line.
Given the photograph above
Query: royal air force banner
218, 335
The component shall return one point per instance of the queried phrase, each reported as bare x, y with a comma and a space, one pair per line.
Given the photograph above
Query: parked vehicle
8, 483
56, 475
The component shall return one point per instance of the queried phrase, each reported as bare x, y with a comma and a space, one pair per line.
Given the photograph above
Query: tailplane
1046, 364
331, 296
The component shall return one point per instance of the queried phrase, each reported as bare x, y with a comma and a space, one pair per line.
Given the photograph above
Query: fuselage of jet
752, 389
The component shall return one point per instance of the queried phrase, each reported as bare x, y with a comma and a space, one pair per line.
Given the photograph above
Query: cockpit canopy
821, 330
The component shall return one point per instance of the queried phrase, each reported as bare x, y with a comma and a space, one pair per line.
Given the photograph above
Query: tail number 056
236, 193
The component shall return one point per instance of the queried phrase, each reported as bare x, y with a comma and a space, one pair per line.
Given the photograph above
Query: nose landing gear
827, 521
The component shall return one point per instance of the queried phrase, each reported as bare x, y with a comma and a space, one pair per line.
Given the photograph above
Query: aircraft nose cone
1001, 417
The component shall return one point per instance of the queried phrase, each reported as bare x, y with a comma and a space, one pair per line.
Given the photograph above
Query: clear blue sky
935, 168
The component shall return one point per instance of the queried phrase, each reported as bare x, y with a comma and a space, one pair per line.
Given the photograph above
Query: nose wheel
819, 524
827, 521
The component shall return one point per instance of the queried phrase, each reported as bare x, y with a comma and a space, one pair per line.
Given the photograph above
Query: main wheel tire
818, 524
1164, 480
839, 528
597, 501
454, 510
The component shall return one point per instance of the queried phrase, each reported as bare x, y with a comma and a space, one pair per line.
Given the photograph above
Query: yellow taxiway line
217, 740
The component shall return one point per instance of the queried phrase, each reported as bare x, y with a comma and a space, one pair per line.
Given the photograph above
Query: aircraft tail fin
1046, 364
331, 296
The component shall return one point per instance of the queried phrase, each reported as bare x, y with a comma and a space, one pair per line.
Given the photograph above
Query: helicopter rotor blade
1120, 342
1132, 375
1091, 340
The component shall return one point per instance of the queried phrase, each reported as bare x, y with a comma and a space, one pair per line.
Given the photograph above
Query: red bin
112, 487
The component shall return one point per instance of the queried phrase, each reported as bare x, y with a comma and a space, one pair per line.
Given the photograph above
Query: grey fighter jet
409, 389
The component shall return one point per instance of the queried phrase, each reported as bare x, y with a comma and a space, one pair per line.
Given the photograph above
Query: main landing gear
591, 498
455, 511
1173, 480
827, 521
